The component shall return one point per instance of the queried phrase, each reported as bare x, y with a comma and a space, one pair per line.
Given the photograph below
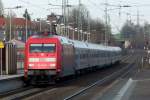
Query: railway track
26, 92
101, 81
5, 94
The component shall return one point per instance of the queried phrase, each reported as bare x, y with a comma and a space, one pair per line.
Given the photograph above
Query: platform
19, 74
11, 82
134, 88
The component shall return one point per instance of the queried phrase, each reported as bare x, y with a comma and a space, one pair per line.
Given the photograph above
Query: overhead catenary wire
33, 5
95, 5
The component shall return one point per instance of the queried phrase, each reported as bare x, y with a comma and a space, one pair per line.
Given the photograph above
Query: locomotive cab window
49, 47
36, 48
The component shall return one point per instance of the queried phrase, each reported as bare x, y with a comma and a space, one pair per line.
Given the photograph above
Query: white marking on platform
139, 80
123, 90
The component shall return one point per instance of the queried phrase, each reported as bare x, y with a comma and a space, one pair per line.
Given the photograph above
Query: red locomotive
50, 58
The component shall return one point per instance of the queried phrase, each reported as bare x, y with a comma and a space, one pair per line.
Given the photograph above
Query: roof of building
2, 21
21, 21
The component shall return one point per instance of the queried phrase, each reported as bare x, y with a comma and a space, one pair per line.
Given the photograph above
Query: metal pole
138, 18
62, 18
68, 18
26, 27
73, 34
10, 26
83, 36
40, 25
106, 22
65, 34
88, 35
1, 61
79, 20
81, 25
50, 26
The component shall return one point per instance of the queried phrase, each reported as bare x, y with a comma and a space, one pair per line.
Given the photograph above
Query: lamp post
88, 37
85, 36
81, 34
62, 29
26, 27
40, 25
27, 23
77, 30
49, 23
10, 25
73, 33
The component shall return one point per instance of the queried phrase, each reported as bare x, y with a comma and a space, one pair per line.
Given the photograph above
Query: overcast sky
40, 8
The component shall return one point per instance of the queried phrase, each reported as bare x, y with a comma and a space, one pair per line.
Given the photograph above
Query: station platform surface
17, 75
136, 87
11, 82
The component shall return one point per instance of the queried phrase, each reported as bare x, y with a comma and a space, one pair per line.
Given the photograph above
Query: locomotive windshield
37, 48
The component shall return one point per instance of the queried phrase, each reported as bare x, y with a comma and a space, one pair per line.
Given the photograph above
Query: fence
8, 59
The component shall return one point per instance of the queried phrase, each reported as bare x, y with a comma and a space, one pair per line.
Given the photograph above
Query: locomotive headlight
51, 59
33, 59
30, 65
53, 66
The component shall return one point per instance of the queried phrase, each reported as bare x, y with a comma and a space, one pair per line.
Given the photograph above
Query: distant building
2, 28
20, 28
52, 18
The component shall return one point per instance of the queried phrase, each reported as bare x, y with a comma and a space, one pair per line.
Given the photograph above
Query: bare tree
97, 26
74, 17
26, 15
134, 34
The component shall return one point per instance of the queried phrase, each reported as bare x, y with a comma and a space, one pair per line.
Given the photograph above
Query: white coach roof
80, 44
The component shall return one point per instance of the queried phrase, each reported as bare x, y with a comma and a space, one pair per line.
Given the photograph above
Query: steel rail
24, 92
100, 82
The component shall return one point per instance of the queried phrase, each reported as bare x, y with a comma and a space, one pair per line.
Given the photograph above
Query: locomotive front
41, 59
